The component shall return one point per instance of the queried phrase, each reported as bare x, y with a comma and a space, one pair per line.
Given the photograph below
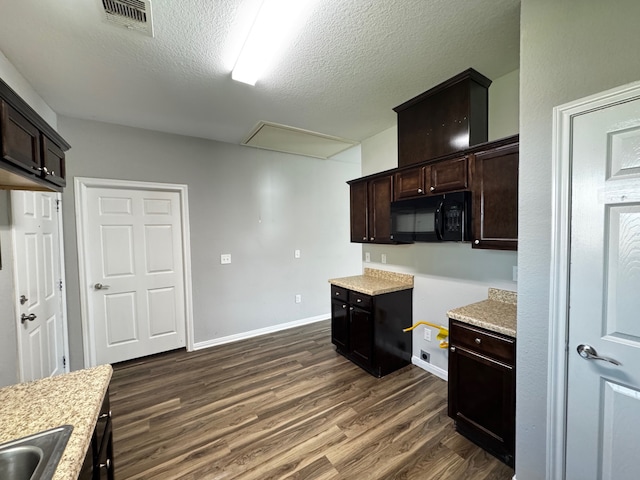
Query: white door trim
81, 185
63, 293
563, 116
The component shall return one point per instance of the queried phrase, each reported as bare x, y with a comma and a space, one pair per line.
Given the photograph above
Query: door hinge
64, 361
57, 205
60, 285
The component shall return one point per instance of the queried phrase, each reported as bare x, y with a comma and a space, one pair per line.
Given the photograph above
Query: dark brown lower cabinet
98, 463
368, 329
482, 388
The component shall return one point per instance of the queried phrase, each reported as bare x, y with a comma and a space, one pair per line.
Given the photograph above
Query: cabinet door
361, 336
20, 140
380, 194
482, 399
495, 198
410, 183
340, 324
359, 230
53, 162
448, 176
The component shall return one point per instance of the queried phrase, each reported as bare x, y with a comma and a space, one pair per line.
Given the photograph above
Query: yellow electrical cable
443, 332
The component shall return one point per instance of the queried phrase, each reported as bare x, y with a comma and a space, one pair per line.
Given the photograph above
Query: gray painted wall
446, 275
257, 205
568, 50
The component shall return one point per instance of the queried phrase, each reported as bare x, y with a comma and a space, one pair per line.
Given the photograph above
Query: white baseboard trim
260, 331
437, 371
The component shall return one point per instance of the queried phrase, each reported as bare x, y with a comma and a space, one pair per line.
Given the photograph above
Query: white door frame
560, 249
82, 184
63, 291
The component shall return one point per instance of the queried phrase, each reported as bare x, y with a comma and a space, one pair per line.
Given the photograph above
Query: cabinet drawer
484, 342
361, 300
339, 293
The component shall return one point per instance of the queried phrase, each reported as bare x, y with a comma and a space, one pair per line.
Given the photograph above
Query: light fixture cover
273, 25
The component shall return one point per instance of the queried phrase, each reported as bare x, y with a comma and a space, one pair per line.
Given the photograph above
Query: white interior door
133, 255
37, 272
603, 398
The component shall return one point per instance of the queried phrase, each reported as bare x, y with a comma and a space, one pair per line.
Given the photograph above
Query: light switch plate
296, 253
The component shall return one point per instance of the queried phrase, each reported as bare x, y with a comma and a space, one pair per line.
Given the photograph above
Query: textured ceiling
346, 67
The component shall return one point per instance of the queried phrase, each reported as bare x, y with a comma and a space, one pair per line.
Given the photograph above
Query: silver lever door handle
588, 352
24, 317
99, 286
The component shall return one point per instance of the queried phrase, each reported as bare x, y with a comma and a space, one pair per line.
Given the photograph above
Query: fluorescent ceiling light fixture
274, 23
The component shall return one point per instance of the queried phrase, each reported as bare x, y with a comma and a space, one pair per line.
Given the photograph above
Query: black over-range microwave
437, 218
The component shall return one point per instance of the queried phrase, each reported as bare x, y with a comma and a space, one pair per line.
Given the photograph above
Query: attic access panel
282, 138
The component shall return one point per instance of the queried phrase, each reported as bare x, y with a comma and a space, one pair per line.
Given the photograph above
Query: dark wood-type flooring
285, 406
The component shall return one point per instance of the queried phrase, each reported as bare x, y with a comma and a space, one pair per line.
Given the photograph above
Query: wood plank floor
285, 406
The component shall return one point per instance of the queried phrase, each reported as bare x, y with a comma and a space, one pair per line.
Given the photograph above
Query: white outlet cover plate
296, 253
225, 258
367, 257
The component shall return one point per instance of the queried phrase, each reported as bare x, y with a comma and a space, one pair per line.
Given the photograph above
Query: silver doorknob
99, 286
589, 353
24, 317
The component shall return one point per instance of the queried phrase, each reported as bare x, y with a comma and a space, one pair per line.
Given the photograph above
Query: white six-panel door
40, 323
133, 272
603, 407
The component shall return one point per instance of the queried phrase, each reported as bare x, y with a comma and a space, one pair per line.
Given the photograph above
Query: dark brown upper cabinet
434, 179
33, 155
371, 210
447, 118
495, 197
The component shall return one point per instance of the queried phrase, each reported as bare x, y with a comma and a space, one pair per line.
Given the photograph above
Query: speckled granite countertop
375, 282
497, 313
71, 399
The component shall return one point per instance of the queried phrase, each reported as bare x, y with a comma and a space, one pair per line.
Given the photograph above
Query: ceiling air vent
130, 14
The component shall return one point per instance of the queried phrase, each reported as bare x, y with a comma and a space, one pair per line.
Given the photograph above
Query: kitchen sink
34, 457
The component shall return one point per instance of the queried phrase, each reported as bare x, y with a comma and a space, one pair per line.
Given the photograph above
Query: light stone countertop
375, 282
70, 399
498, 313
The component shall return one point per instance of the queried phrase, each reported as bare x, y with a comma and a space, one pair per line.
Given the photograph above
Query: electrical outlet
424, 356
225, 258
298, 298
296, 254
367, 257
383, 258
427, 334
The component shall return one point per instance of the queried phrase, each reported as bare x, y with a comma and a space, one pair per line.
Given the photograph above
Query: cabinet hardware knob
105, 415
106, 464
453, 349
433, 189
337, 293
23, 299
359, 300
419, 190
478, 341
364, 238
52, 173
477, 242
24, 317
344, 306
351, 308
372, 239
